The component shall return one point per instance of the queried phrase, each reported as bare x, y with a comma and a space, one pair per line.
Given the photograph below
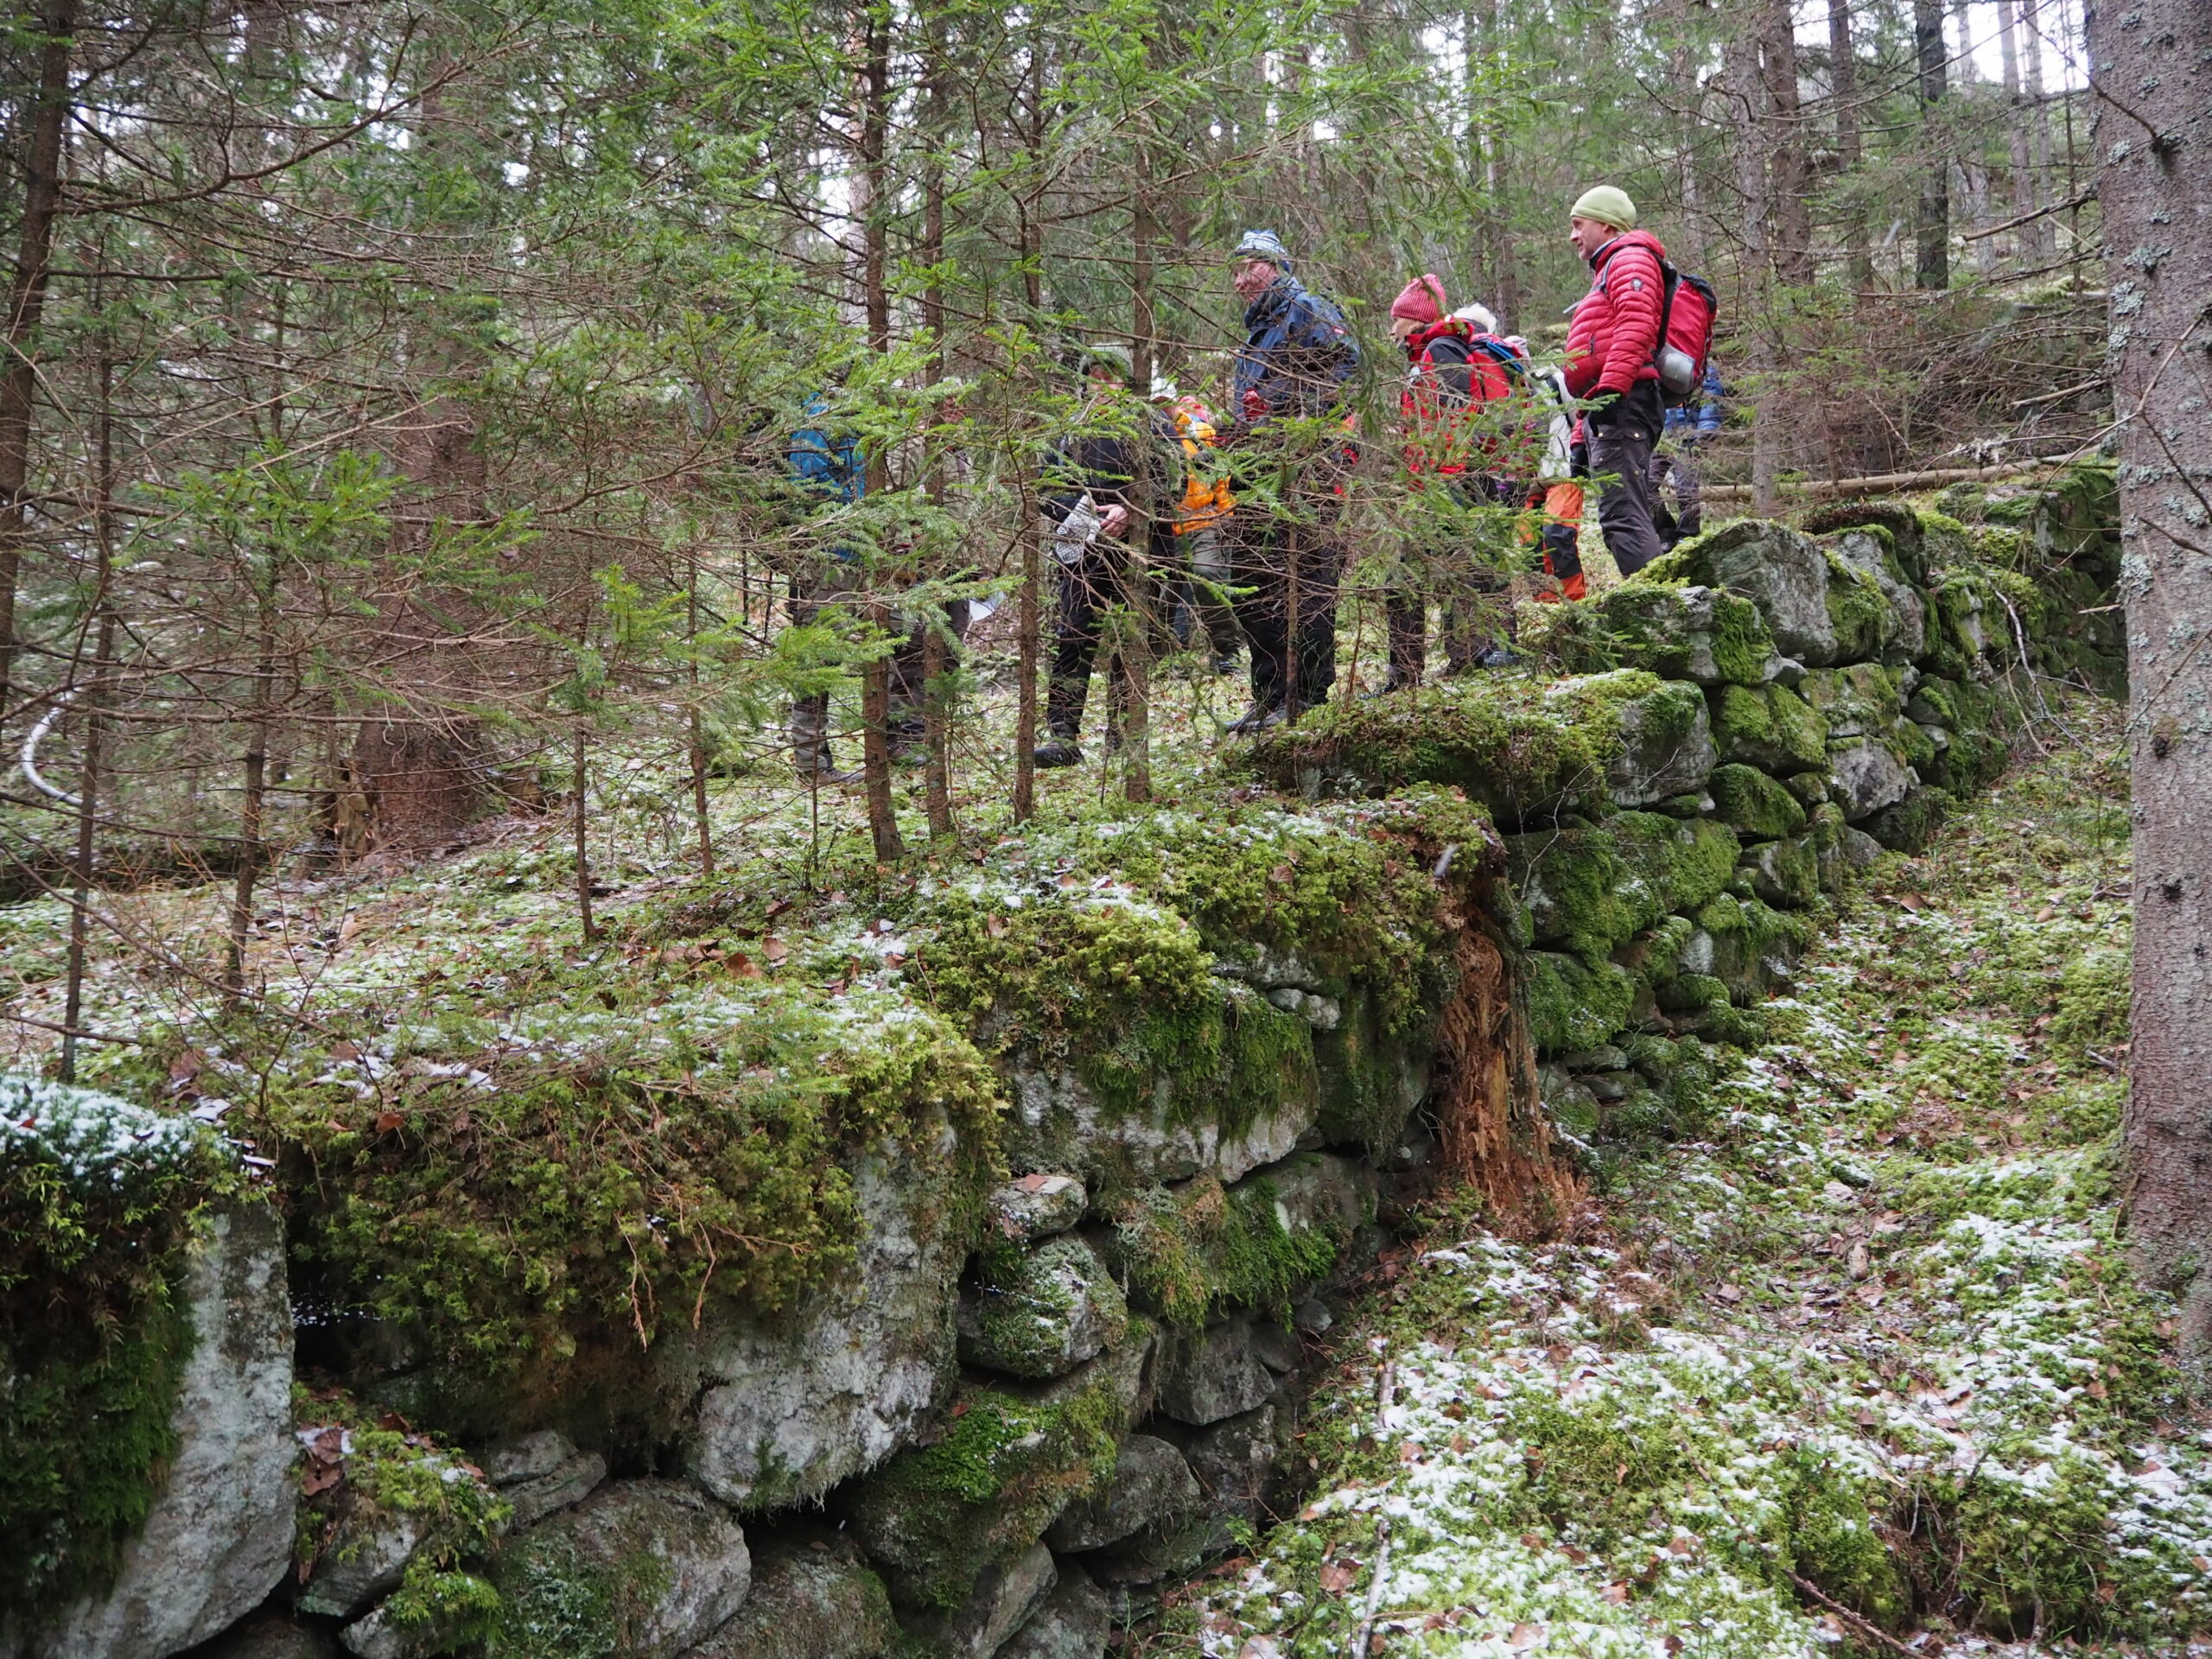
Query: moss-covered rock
1785, 873
1910, 824
1521, 748
1872, 552
1865, 775
1898, 523
1008, 1462
1039, 1312
1370, 1079
1746, 945
813, 1596
1193, 1251
1770, 727
1654, 956
1573, 1003
1782, 571
1706, 634
1859, 700
644, 1567
99, 1201
1754, 806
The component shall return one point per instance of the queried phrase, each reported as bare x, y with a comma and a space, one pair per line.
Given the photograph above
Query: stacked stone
996, 1451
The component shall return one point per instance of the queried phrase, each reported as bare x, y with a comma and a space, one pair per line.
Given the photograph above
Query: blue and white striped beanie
1264, 245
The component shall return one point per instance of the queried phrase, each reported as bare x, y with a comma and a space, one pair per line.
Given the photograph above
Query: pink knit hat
1421, 300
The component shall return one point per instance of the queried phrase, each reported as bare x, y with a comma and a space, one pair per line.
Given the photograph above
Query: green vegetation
516, 1180
98, 1200
1004, 1468
1874, 1332
1189, 1252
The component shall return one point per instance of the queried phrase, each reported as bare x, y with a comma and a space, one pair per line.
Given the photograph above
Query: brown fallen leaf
774, 949
1336, 1576
1616, 1592
387, 1120
1910, 900
322, 1477
995, 927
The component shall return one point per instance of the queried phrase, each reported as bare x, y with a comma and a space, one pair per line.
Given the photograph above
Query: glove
1254, 406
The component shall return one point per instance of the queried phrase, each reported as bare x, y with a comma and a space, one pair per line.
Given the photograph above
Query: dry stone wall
1030, 1401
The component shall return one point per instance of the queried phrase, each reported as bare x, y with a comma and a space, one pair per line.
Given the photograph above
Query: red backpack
1686, 319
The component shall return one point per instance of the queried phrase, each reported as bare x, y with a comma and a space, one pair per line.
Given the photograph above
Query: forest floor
1885, 1284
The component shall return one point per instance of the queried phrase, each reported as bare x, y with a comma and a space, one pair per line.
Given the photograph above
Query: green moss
1785, 872
1189, 1251
597, 1184
98, 1201
1518, 747
1753, 804
1859, 699
1896, 526
1772, 726
1689, 993
456, 1610
385, 1470
562, 1604
1859, 613
935, 1516
1655, 626
1573, 1004
1026, 1299
1591, 887
2094, 990
1912, 823
1370, 1081
1682, 862
1654, 956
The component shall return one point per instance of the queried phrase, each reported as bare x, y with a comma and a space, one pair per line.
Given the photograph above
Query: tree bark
1785, 146
26, 304
2016, 146
1843, 70
1931, 263
2155, 191
1747, 97
1029, 621
1136, 643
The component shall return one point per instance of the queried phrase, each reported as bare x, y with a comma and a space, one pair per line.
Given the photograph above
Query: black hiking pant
1621, 439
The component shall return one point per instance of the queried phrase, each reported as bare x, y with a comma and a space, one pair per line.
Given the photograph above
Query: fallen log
1878, 483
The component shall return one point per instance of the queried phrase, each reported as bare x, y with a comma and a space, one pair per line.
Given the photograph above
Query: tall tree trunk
1029, 621
1843, 69
937, 664
1931, 261
1500, 271
2037, 117
871, 210
2156, 56
1747, 97
417, 757
1785, 146
1136, 631
41, 165
88, 780
2018, 150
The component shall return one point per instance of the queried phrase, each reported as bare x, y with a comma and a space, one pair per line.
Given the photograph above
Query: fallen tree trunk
1879, 483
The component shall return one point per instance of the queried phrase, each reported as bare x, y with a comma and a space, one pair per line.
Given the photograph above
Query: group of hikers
1238, 512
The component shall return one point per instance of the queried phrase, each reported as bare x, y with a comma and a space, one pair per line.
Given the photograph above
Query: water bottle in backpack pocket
1686, 319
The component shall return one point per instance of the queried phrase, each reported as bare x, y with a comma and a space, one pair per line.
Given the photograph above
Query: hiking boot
1059, 751
1259, 718
1112, 740
1496, 656
821, 770
1392, 682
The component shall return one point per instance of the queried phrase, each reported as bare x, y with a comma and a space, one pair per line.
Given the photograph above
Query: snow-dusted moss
98, 1201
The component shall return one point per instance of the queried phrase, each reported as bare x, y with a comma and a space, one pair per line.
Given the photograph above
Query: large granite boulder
1872, 551
785, 1409
1706, 634
643, 1568
539, 1473
220, 1536
1002, 1601
1865, 775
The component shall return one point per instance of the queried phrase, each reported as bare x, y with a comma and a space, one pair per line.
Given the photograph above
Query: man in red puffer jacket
1611, 345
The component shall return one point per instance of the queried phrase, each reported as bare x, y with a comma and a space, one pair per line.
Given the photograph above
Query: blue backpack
827, 463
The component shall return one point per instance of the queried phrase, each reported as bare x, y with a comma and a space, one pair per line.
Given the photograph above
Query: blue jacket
1298, 351
1702, 416
827, 461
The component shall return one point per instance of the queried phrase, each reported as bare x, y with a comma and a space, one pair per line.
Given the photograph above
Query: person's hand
1254, 406
1115, 521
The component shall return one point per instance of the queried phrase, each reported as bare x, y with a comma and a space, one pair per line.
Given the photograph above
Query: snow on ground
1868, 1355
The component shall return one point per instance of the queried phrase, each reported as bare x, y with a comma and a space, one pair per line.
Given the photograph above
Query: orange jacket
1206, 502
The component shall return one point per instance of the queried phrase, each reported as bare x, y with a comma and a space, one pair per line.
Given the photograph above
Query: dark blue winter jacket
1298, 352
